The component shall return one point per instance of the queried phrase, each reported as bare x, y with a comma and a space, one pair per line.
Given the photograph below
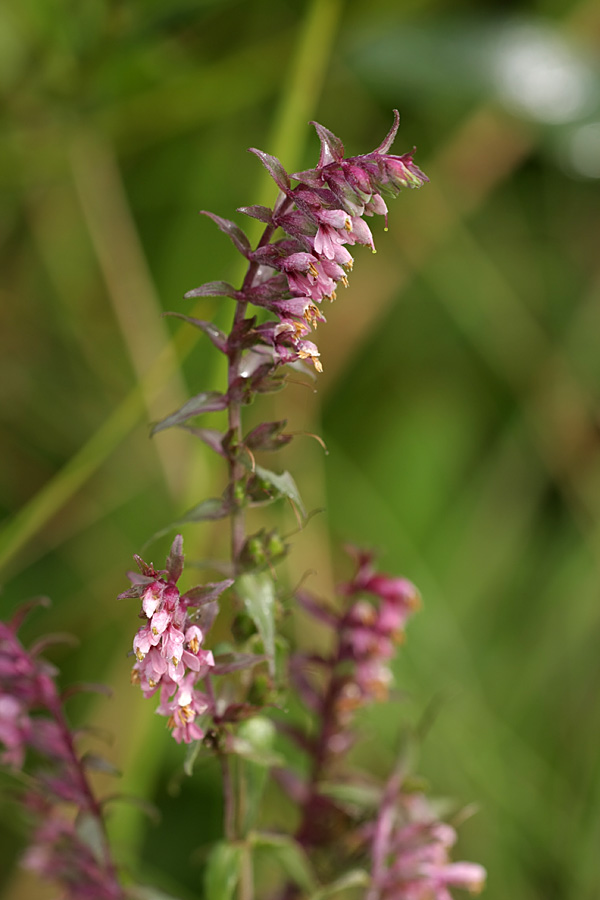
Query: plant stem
94, 808
236, 468
228, 797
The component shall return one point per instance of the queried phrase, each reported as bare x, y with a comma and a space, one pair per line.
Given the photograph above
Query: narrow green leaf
258, 593
259, 734
193, 750
90, 831
222, 871
357, 878
207, 401
365, 796
218, 337
147, 892
99, 764
284, 484
213, 508
207, 511
291, 857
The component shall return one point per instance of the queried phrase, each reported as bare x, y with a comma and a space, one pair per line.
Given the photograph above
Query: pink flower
168, 647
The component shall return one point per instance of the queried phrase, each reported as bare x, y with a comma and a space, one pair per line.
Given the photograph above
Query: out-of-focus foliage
459, 400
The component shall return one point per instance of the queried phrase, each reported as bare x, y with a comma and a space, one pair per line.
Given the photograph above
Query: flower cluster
26, 684
369, 633
410, 850
168, 647
320, 217
58, 852
32, 718
355, 674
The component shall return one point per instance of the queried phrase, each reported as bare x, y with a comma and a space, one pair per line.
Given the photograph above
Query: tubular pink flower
168, 647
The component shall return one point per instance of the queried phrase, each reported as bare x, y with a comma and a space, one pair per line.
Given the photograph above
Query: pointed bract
274, 168
332, 149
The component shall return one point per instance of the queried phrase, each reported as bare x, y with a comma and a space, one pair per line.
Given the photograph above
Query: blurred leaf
259, 732
90, 830
208, 510
291, 857
258, 594
99, 764
191, 756
365, 796
218, 337
233, 662
357, 878
207, 401
145, 892
284, 485
222, 871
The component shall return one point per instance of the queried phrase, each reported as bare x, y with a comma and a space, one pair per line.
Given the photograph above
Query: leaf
90, 831
332, 149
268, 436
99, 764
232, 231
240, 712
274, 168
262, 213
285, 486
365, 796
218, 337
208, 510
205, 616
259, 734
233, 662
222, 871
291, 857
212, 437
211, 289
146, 892
258, 594
193, 750
357, 878
207, 401
205, 593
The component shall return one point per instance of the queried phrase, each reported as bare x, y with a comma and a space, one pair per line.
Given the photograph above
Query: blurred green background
459, 400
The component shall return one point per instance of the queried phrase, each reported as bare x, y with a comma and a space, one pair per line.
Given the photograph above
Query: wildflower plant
349, 835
